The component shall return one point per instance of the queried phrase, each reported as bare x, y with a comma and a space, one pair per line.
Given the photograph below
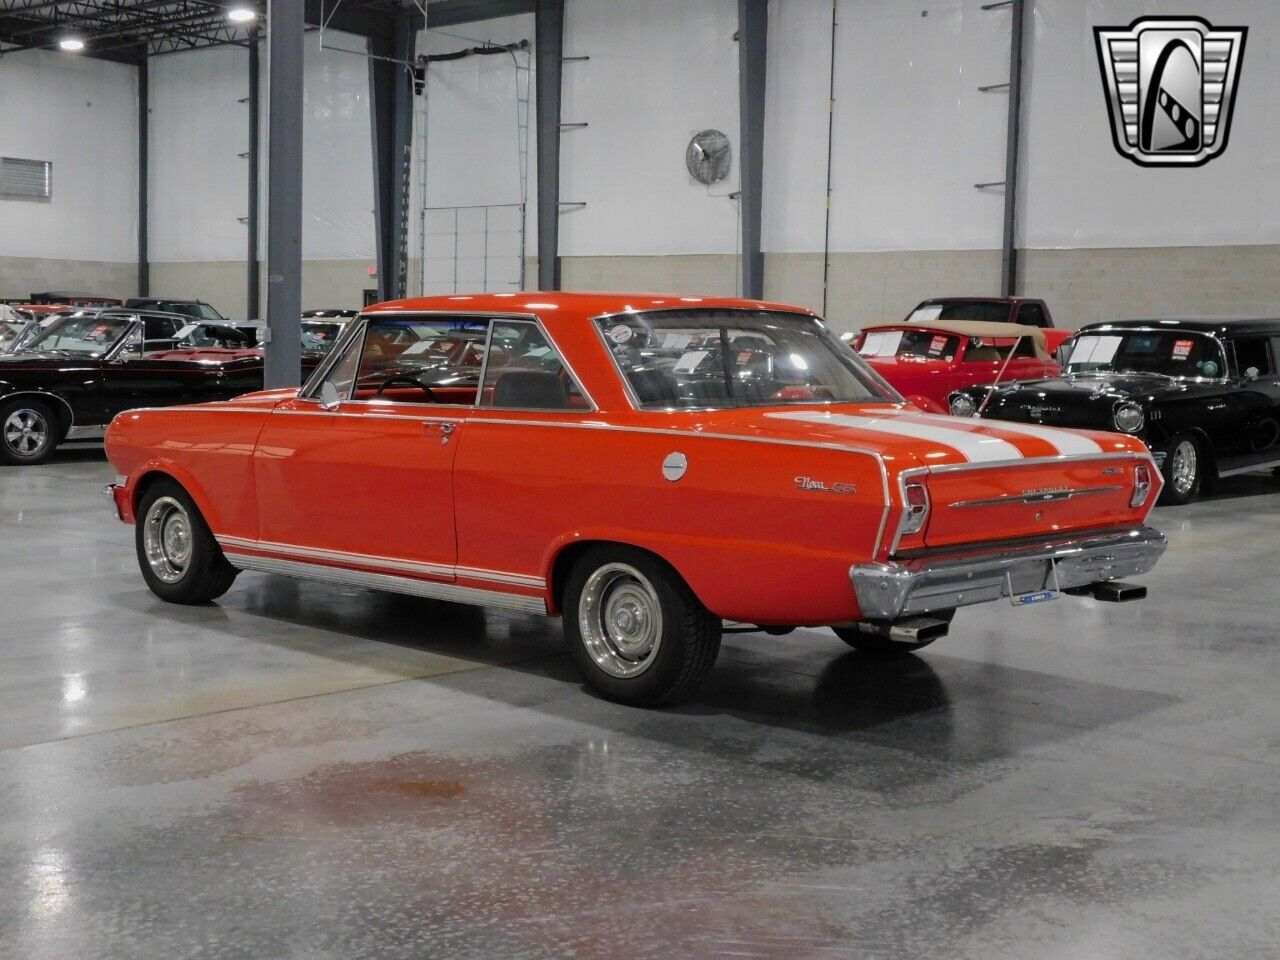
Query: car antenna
1003, 367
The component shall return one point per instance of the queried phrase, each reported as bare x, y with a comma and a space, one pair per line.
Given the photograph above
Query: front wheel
637, 632
179, 558
29, 432
1183, 470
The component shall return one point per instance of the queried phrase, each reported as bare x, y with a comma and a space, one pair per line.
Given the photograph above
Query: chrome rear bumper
887, 591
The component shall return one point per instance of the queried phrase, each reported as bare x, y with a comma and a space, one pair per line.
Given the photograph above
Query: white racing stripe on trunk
974, 447
1068, 443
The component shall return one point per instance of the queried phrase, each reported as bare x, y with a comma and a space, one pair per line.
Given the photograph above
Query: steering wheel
408, 381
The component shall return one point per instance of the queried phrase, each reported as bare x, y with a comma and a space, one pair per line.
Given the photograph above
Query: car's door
1249, 407
134, 376
357, 471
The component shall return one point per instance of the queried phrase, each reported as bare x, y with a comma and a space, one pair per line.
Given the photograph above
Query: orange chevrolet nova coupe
648, 467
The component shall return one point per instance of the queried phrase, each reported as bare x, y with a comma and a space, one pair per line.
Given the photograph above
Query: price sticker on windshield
937, 345
1182, 349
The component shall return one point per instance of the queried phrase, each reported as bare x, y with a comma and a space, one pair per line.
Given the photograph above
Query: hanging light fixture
241, 14
71, 44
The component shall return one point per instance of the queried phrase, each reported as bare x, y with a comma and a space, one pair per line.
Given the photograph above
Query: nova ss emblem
821, 486
1043, 495
1038, 412
1170, 85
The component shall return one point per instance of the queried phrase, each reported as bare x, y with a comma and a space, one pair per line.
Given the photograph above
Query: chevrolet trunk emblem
1171, 86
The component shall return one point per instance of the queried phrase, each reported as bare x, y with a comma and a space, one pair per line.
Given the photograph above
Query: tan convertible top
978, 328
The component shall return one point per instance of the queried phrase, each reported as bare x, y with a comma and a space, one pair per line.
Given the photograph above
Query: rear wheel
30, 430
178, 556
635, 628
1184, 467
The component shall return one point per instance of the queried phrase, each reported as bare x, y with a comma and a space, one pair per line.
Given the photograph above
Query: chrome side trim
92, 432
391, 563
1037, 496
430, 589
1040, 461
1236, 471
887, 591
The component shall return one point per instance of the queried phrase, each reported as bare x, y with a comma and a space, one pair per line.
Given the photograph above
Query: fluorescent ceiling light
242, 14
71, 43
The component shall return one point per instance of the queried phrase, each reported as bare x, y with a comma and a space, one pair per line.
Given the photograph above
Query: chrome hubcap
166, 539
1184, 467
620, 619
26, 432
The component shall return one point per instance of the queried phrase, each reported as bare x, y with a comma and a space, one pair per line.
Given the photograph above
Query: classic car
927, 362
1026, 311
579, 471
195, 309
83, 367
62, 299
1202, 394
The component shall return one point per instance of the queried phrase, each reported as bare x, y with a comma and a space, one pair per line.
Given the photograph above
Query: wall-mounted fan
708, 156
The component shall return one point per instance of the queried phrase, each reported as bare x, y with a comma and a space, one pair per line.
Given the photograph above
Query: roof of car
992, 299
1219, 325
578, 305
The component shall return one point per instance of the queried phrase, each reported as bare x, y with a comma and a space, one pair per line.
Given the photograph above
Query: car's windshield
89, 335
320, 337
909, 343
1172, 353
983, 310
204, 335
9, 330
736, 358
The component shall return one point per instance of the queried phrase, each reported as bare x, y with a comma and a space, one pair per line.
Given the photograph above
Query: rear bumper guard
887, 591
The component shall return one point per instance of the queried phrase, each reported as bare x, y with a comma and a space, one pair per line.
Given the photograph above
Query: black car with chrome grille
1202, 393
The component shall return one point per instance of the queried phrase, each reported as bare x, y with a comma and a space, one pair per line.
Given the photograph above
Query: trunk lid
1015, 501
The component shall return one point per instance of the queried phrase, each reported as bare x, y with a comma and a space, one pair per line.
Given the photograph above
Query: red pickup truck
1024, 310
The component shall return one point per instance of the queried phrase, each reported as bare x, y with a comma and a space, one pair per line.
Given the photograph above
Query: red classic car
649, 467
927, 362
1025, 311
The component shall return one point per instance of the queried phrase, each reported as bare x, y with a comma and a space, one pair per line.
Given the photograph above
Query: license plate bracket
1035, 583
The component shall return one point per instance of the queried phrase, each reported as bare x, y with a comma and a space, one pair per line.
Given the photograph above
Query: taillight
917, 508
1141, 484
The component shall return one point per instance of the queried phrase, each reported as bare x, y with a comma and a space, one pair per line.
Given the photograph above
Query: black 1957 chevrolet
1204, 394
78, 372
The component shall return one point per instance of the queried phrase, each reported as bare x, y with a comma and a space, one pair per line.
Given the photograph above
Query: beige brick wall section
22, 276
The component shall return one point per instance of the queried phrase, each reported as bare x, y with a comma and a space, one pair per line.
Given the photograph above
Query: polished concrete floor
309, 772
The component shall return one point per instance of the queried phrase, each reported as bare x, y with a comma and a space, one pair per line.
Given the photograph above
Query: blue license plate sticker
1038, 597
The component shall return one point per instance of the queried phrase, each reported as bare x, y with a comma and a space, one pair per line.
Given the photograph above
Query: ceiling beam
451, 13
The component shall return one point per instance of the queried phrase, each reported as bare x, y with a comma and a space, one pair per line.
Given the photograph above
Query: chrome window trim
634, 401
362, 321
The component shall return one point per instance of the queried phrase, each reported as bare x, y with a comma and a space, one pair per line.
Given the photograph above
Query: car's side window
342, 375
1031, 315
1253, 353
523, 371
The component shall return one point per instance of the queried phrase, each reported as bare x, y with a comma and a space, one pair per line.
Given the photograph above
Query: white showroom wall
199, 181
81, 115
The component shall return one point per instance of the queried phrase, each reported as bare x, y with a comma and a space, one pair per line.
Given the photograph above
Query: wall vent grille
26, 179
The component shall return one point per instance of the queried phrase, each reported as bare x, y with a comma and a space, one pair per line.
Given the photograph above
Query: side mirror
1251, 374
329, 398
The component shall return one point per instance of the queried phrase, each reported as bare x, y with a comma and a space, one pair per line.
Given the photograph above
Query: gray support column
144, 176
253, 273
391, 94
549, 47
284, 192
753, 28
1009, 253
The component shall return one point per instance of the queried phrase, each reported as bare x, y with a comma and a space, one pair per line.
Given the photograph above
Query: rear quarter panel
747, 536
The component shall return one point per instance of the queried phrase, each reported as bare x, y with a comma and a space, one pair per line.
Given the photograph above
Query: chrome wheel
620, 618
26, 432
1184, 468
166, 539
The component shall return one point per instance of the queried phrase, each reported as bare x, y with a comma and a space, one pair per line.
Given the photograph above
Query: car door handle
443, 428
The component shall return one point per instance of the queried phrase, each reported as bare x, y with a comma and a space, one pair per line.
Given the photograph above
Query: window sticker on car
1094, 349
621, 334
185, 331
937, 345
1182, 349
882, 344
689, 361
